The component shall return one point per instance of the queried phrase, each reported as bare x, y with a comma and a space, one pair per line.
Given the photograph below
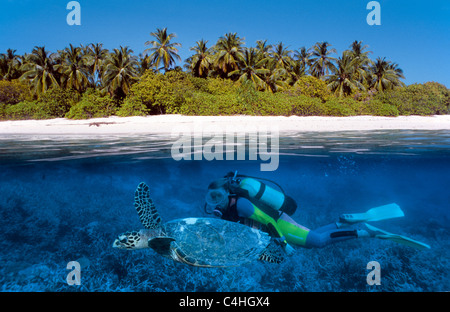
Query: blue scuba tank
262, 195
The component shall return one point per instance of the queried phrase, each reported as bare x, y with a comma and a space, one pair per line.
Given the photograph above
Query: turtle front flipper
161, 244
145, 207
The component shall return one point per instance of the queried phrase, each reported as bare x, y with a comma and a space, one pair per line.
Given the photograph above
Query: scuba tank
260, 194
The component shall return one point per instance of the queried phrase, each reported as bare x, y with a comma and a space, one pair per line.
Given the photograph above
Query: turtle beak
116, 244
119, 242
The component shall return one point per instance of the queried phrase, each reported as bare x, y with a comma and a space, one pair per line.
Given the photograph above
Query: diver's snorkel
234, 179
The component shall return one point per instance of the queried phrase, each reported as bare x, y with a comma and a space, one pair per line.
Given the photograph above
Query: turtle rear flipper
145, 207
272, 253
161, 245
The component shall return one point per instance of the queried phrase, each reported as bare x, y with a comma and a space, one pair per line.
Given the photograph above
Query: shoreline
166, 124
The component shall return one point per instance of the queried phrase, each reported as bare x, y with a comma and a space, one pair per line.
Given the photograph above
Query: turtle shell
212, 242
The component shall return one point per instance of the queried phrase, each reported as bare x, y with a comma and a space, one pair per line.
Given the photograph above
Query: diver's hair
220, 183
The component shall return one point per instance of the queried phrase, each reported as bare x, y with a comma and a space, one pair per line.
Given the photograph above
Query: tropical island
226, 78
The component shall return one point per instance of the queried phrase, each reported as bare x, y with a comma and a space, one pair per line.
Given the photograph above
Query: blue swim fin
375, 214
378, 233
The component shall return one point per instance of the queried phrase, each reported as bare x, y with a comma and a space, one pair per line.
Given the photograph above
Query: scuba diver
248, 200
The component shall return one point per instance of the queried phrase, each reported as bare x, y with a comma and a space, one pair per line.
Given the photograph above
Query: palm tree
344, 79
362, 62
385, 75
297, 71
95, 57
200, 63
263, 48
162, 49
276, 79
120, 71
39, 70
144, 64
228, 52
3, 66
10, 64
75, 73
321, 61
357, 50
251, 69
281, 56
303, 56
398, 71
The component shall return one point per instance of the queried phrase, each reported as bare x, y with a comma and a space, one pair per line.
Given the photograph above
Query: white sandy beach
165, 124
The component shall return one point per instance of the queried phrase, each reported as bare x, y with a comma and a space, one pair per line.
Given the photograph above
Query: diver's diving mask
216, 202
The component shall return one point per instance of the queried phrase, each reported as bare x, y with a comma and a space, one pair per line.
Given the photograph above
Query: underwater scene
67, 198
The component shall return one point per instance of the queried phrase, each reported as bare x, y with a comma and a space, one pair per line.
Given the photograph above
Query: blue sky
414, 34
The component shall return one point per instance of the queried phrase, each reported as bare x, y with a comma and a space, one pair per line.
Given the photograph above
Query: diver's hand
289, 250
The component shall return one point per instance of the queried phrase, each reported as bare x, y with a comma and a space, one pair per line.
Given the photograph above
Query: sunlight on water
57, 148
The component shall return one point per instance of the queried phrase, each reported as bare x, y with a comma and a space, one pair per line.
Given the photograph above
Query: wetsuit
284, 227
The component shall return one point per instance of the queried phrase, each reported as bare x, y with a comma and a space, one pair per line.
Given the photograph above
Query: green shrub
2, 111
248, 97
341, 107
25, 110
306, 106
206, 104
163, 93
57, 102
444, 94
132, 107
13, 92
93, 105
418, 99
220, 86
378, 108
269, 104
311, 87
177, 92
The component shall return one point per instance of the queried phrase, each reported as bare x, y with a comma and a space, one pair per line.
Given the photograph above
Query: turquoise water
65, 198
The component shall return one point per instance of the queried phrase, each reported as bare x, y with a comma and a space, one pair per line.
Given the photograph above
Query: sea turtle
203, 242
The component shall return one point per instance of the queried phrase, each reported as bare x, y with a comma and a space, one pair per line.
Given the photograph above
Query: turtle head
131, 240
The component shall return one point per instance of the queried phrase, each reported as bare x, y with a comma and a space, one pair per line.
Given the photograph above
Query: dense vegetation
225, 79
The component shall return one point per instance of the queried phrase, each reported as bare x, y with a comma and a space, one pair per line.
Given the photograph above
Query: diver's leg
294, 233
327, 228
321, 239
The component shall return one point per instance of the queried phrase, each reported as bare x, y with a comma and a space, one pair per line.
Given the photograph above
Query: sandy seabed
168, 123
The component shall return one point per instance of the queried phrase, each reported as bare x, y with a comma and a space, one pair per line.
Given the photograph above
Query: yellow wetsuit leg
292, 232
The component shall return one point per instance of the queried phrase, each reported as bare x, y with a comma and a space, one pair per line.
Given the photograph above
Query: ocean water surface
66, 198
